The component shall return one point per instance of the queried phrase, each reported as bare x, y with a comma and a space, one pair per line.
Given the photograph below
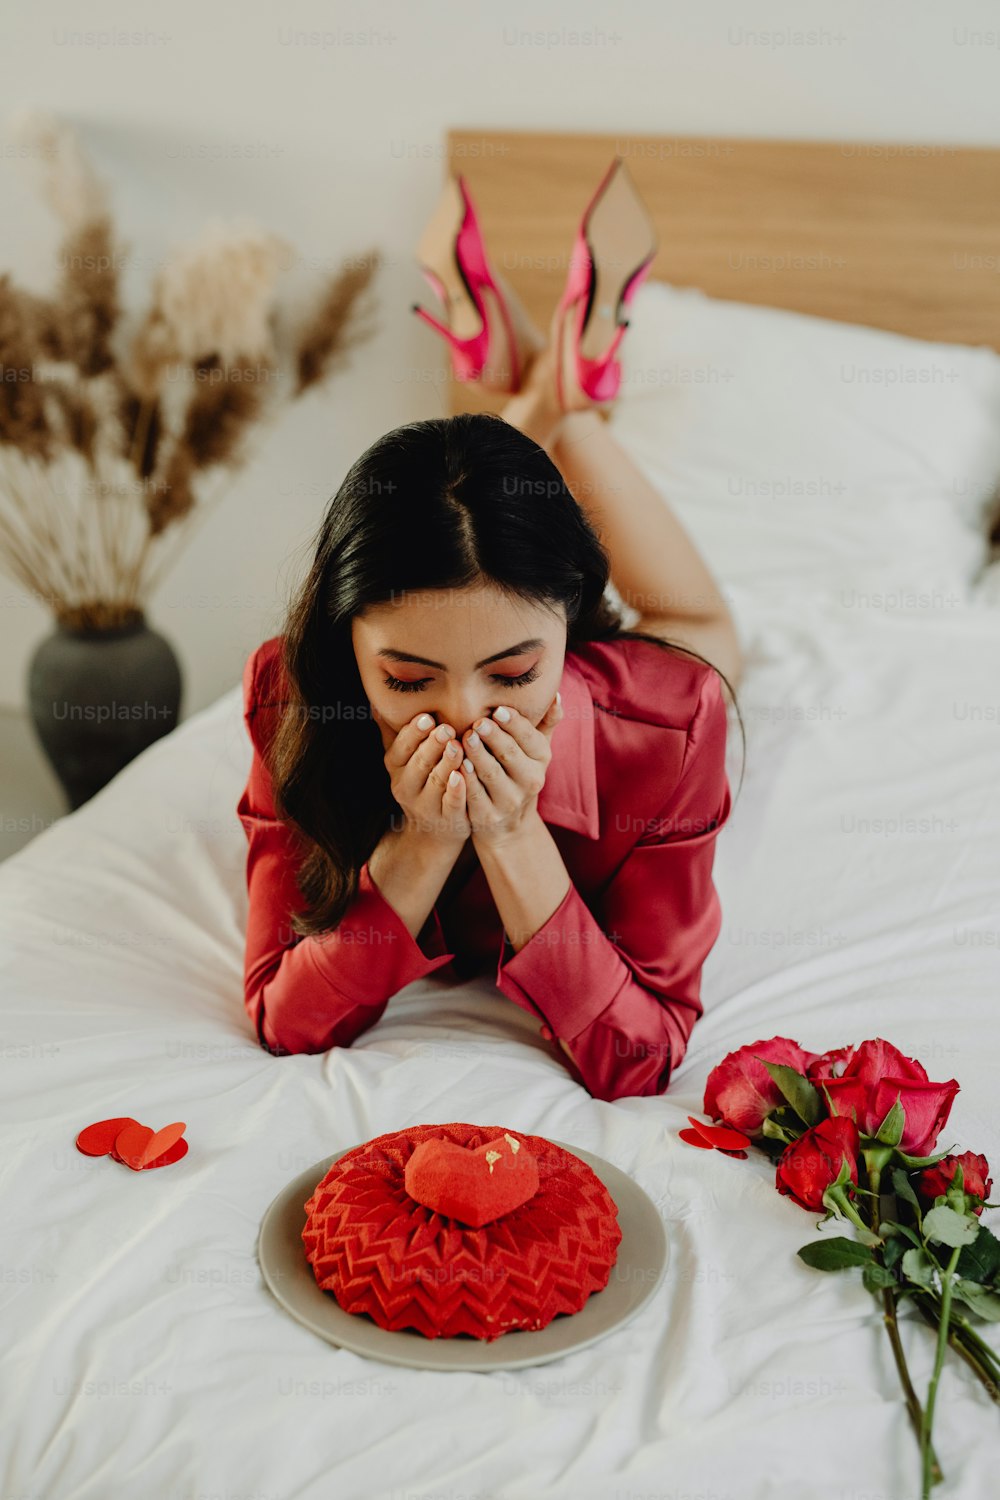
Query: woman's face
459, 653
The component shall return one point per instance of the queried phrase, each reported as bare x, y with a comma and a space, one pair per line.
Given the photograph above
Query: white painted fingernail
425, 721
486, 727
503, 714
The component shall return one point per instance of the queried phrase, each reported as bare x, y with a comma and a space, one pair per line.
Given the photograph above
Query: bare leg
655, 566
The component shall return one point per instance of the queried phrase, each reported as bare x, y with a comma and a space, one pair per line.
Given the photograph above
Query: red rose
933, 1181
867, 1090
739, 1089
807, 1167
829, 1064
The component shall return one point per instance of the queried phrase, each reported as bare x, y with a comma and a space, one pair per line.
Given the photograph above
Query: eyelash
399, 686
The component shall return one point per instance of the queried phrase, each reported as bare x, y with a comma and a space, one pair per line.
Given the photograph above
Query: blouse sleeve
620, 987
307, 994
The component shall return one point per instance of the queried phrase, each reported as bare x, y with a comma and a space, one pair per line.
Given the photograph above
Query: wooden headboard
904, 237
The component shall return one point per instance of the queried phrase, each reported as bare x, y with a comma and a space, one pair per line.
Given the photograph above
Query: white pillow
807, 457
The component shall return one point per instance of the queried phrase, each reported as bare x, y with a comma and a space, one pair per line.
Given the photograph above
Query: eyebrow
424, 662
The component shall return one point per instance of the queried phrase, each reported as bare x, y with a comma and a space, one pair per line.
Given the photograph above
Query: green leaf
778, 1132
979, 1298
980, 1261
945, 1227
903, 1188
843, 1172
896, 1232
921, 1161
875, 1277
895, 1245
835, 1254
894, 1250
919, 1267
890, 1132
802, 1095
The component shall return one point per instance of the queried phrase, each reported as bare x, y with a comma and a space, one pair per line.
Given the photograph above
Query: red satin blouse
634, 796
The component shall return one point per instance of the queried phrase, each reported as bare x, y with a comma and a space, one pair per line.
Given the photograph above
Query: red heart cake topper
474, 1187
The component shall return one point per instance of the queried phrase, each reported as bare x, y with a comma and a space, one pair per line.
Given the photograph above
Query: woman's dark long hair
447, 503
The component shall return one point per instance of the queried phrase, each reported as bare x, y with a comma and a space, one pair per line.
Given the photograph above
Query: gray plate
641, 1265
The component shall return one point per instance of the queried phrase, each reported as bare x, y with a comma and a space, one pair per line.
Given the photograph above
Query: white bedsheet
143, 1356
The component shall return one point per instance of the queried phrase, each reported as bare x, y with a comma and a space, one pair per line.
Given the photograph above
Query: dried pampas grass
333, 333
214, 297
71, 187
106, 439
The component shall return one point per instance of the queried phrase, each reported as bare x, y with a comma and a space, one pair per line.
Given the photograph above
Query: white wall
227, 107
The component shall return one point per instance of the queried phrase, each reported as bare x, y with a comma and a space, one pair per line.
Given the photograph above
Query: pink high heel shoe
489, 334
614, 249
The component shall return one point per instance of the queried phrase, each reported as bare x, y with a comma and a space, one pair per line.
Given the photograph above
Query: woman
463, 762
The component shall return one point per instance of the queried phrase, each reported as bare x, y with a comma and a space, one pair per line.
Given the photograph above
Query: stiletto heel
489, 334
614, 249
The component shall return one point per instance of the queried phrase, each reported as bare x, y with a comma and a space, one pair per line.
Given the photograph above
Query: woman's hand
419, 765
509, 764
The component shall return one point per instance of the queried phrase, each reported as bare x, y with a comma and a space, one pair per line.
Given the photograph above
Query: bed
859, 876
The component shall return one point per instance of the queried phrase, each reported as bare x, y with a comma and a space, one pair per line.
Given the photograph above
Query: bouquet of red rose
853, 1131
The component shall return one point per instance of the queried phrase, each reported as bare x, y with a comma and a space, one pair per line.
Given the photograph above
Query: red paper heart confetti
140, 1148
133, 1144
98, 1139
172, 1154
474, 1187
715, 1137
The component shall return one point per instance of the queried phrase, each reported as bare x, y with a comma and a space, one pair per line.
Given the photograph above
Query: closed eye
399, 686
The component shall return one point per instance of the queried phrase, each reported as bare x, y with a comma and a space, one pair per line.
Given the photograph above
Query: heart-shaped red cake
383, 1254
474, 1187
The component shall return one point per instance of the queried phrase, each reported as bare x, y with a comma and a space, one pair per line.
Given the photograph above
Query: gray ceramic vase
98, 698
